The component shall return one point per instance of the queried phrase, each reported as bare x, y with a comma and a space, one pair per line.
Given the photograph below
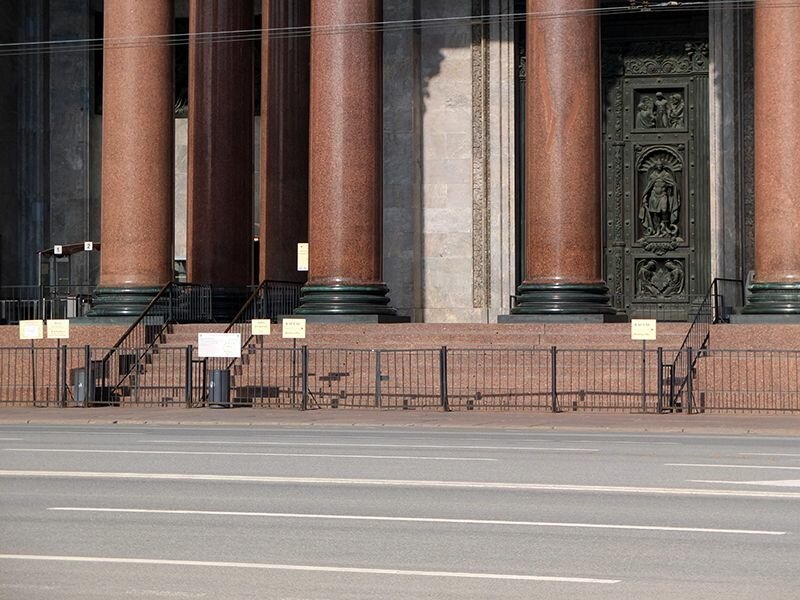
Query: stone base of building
562, 318
124, 302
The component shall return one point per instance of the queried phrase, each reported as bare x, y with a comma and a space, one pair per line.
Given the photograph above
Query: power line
279, 33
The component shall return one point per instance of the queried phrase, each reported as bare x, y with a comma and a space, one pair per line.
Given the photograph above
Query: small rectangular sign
58, 250
219, 345
88, 246
643, 329
302, 256
58, 329
31, 330
260, 326
294, 328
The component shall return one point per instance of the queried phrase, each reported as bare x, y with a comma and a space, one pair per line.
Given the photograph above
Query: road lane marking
349, 445
284, 454
10, 439
775, 483
415, 520
313, 568
481, 485
731, 466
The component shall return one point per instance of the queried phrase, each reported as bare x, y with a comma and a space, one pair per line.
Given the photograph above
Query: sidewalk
541, 421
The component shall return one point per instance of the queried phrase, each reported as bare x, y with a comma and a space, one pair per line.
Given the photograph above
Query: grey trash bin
82, 387
219, 388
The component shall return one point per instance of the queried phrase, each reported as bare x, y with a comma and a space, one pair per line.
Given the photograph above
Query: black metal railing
24, 302
554, 379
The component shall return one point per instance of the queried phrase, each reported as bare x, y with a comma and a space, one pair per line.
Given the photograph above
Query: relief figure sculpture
675, 111
645, 118
660, 112
660, 206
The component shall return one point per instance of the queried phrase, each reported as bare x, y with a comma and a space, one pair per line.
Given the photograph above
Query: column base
773, 299
345, 300
128, 302
563, 299
226, 303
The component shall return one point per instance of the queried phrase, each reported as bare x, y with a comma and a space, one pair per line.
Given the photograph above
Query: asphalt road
112, 512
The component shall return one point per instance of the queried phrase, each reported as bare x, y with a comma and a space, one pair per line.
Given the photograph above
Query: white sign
219, 345
294, 328
302, 257
58, 329
260, 326
58, 250
31, 330
643, 329
88, 246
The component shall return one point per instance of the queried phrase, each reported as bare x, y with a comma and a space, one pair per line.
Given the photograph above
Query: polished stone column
284, 139
138, 161
345, 171
220, 162
776, 287
562, 204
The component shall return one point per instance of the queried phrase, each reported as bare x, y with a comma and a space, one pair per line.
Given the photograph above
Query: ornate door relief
656, 184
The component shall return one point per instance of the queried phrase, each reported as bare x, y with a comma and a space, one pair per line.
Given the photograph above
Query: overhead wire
393, 26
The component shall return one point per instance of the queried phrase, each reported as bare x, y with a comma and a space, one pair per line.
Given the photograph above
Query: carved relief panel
656, 185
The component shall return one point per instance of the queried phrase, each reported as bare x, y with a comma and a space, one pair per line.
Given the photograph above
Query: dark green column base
345, 300
227, 302
560, 299
121, 302
773, 299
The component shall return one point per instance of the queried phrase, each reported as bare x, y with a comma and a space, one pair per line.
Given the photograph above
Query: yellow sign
643, 329
294, 328
302, 257
260, 326
31, 330
58, 329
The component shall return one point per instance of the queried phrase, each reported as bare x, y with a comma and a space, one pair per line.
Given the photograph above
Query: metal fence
555, 379
23, 302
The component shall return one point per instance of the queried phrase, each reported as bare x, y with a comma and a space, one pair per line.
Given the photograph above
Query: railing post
304, 360
377, 378
443, 378
63, 388
553, 379
88, 380
189, 384
660, 375
689, 377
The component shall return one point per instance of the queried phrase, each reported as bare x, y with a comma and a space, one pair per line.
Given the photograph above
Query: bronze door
655, 141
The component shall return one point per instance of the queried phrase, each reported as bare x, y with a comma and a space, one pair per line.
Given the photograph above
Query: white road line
284, 454
314, 568
485, 485
775, 483
731, 466
417, 520
10, 439
349, 445
768, 454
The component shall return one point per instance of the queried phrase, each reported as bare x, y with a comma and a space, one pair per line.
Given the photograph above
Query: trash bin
219, 388
82, 387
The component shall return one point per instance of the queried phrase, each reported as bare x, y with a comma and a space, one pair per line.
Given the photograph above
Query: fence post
443, 378
553, 376
304, 360
88, 380
377, 378
189, 376
63, 388
660, 401
689, 377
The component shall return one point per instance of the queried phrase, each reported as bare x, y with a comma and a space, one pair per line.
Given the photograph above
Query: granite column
138, 161
345, 162
283, 174
776, 287
220, 161
562, 204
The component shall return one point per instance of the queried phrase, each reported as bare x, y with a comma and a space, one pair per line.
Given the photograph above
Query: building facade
439, 156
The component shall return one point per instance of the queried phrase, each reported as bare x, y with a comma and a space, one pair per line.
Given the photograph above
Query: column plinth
345, 162
138, 161
776, 287
562, 171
